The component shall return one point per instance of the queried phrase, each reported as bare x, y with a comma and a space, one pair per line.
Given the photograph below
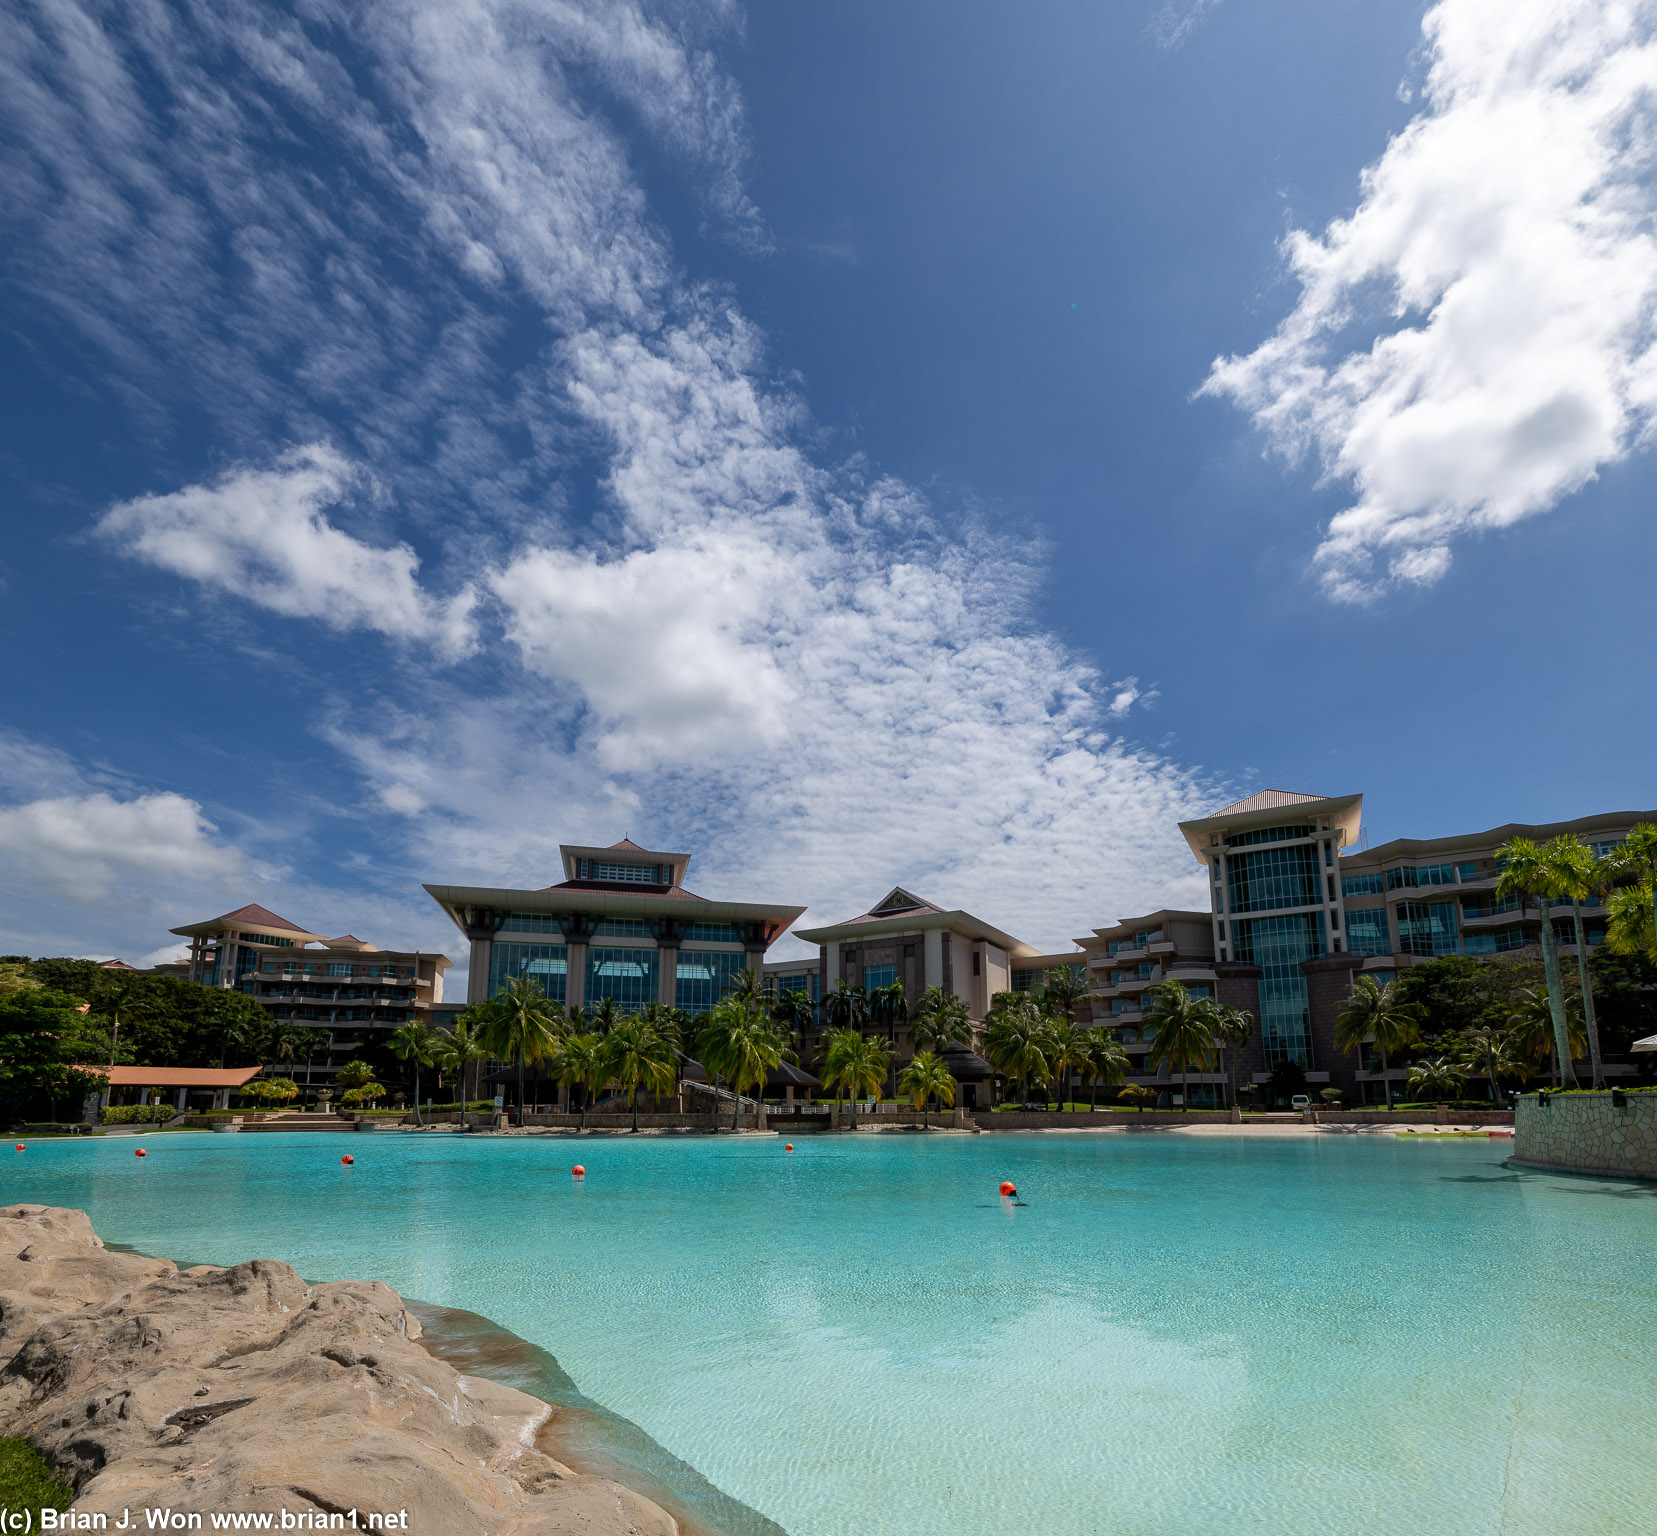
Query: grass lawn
26, 1482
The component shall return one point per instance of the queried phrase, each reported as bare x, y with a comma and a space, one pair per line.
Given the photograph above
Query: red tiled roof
175, 1077
261, 916
627, 845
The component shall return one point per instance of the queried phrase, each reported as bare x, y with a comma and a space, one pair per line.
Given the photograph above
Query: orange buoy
348, 1159
578, 1171
20, 1146
138, 1152
788, 1148
1008, 1188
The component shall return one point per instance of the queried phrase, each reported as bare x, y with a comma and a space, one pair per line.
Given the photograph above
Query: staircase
297, 1120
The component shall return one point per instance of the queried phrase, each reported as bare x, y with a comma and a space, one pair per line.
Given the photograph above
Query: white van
1300, 1101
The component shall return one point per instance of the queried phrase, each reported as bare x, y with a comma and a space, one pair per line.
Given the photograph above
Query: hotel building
619, 925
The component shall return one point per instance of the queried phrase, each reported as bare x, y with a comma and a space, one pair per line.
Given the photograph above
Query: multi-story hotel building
619, 925
343, 985
1299, 908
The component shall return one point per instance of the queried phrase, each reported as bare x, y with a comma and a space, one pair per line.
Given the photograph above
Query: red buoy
788, 1148
1008, 1188
348, 1159
20, 1146
578, 1171
138, 1152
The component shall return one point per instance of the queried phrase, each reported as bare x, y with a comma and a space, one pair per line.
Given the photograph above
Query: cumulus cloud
1503, 257
93, 848
262, 534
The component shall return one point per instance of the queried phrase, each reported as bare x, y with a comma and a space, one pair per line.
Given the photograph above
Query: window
1428, 928
713, 933
530, 922
1026, 981
1199, 989
977, 963
798, 981
265, 938
1273, 878
621, 874
621, 928
1601, 849
884, 975
1411, 876
269, 967
626, 975
1127, 1037
1147, 936
1366, 931
705, 975
338, 968
1371, 883
1468, 871
1147, 969
546, 963
1268, 835
1512, 938
1479, 944
1278, 945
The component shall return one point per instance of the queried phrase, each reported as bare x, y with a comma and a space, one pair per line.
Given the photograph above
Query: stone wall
1587, 1133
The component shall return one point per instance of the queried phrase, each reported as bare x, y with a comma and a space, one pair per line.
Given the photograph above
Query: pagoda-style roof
252, 916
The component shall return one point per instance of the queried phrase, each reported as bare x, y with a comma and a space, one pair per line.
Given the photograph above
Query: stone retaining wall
1586, 1133
1412, 1116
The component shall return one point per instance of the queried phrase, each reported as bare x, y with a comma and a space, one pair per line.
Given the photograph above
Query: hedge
136, 1114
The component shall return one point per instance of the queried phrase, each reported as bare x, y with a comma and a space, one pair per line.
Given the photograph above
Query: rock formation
246, 1390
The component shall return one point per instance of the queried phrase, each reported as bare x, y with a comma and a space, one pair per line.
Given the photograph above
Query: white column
932, 957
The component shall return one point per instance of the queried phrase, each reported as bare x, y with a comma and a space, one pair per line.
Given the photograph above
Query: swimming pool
1190, 1335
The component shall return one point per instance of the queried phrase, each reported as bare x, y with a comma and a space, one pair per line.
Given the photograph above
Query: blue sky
859, 444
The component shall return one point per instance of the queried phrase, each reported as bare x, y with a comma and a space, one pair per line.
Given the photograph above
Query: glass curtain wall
626, 975
1277, 945
545, 963
1274, 878
1367, 932
705, 976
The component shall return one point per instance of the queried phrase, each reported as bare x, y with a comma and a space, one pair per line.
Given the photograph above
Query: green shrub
136, 1114
27, 1482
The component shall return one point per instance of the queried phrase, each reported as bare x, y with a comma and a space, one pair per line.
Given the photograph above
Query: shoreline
243, 1388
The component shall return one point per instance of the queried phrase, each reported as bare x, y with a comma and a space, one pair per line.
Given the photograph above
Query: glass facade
626, 975
530, 922
1367, 932
545, 963
1428, 928
621, 928
1412, 876
1277, 945
879, 976
713, 933
1274, 878
1268, 835
799, 981
705, 976
621, 874
1373, 883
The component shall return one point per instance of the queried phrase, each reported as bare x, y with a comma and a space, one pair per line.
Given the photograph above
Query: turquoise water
1175, 1336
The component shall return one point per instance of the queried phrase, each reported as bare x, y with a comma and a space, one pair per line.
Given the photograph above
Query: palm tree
793, 1012
414, 1045
1438, 1077
1071, 1049
738, 1040
1532, 1028
846, 1007
1018, 1040
463, 1045
117, 999
889, 1005
857, 1063
310, 1042
1233, 1031
604, 1016
286, 1042
1528, 874
1577, 874
926, 1078
747, 984
1106, 1062
522, 1027
1376, 1015
1490, 1049
1637, 859
1061, 991
636, 1052
578, 1061
940, 1018
1183, 1032
1628, 928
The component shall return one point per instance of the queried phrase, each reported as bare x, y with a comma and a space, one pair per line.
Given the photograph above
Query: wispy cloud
1503, 258
683, 623
1176, 20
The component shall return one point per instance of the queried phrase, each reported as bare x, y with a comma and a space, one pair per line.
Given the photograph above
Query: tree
747, 984
15, 978
521, 1027
462, 1045
856, 1063
1136, 1094
1636, 860
604, 1016
1628, 923
1377, 1015
889, 1005
1527, 873
1106, 1061
415, 1045
940, 1018
1577, 874
1532, 1029
793, 1012
1438, 1078
1071, 1048
578, 1061
1183, 1032
1061, 991
1018, 1040
1488, 1047
636, 1052
281, 1090
846, 1007
363, 1096
924, 1079
42, 1048
1233, 1029
737, 1038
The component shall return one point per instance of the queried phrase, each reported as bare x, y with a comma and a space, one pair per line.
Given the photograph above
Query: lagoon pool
1174, 1336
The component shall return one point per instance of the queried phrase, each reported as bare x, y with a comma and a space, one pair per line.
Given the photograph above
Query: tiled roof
175, 1077
1266, 800
262, 917
627, 845
624, 888
347, 938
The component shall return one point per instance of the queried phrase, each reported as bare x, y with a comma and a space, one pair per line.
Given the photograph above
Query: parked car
1300, 1101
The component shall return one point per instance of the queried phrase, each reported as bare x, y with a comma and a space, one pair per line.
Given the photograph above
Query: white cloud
1176, 20
1504, 252
94, 849
261, 534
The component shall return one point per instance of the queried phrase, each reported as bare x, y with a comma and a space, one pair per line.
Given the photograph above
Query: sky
933, 444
